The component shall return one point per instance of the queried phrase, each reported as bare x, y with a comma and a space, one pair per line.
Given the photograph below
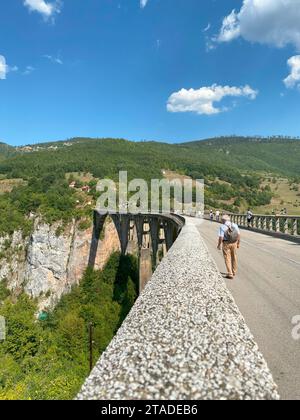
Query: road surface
267, 292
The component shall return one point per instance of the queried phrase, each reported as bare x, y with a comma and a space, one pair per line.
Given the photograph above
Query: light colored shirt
224, 228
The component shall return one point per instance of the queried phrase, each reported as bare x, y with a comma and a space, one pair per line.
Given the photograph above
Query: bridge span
185, 337
267, 292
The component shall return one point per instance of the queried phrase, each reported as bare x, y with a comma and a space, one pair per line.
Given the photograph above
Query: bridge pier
139, 234
154, 232
98, 224
145, 268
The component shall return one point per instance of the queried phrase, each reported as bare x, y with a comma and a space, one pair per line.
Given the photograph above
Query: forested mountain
105, 157
233, 168
278, 155
6, 150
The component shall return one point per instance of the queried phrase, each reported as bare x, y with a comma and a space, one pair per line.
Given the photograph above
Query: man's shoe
229, 277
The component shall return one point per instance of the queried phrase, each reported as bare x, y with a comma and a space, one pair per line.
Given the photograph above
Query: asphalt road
267, 292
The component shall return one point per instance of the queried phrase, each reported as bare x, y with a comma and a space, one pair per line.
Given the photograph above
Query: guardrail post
273, 224
295, 227
265, 227
277, 224
259, 222
286, 226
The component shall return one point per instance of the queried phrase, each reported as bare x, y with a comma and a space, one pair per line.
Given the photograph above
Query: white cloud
230, 28
3, 68
293, 80
46, 9
143, 3
55, 60
272, 22
202, 101
207, 28
28, 70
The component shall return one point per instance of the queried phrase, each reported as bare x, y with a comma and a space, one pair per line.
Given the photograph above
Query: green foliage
276, 155
50, 359
4, 293
48, 195
235, 160
6, 151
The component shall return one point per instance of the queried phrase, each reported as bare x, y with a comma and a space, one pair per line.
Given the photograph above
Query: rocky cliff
47, 264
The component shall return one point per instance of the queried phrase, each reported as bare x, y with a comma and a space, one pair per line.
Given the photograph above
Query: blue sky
112, 68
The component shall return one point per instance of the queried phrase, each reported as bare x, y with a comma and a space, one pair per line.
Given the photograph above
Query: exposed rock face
12, 260
47, 265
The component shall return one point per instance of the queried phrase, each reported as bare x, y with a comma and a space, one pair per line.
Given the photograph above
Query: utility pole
91, 342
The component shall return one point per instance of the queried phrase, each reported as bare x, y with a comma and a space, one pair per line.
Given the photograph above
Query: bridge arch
151, 232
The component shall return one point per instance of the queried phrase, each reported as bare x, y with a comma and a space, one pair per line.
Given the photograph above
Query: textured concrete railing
288, 225
184, 338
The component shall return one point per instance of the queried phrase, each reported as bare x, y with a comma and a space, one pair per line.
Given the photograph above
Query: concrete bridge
280, 226
152, 234
186, 337
267, 292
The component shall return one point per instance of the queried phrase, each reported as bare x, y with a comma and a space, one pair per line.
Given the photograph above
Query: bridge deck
267, 292
184, 338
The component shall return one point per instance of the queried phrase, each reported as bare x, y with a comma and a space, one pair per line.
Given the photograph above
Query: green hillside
234, 168
6, 151
276, 155
105, 157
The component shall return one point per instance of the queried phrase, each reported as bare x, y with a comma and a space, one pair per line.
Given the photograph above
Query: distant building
72, 185
26, 149
86, 188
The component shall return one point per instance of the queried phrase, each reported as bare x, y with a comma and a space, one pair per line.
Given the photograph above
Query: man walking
249, 218
229, 242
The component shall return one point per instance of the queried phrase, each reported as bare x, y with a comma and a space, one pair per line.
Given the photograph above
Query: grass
7, 185
286, 195
80, 176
